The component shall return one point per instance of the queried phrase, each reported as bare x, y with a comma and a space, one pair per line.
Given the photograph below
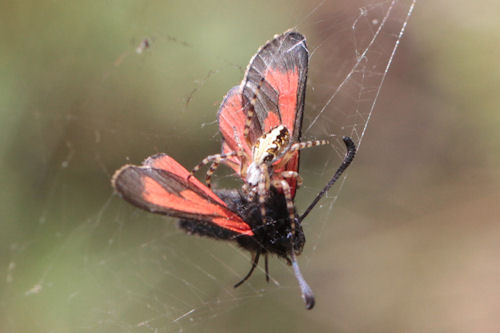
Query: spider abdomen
271, 145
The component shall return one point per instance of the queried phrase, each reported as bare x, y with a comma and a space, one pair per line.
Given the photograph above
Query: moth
260, 122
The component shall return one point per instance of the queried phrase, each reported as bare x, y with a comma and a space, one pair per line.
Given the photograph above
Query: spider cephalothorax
266, 150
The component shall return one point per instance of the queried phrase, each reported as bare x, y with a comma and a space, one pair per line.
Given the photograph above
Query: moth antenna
307, 294
349, 156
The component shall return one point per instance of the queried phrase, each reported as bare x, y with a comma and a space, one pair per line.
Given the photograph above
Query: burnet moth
260, 121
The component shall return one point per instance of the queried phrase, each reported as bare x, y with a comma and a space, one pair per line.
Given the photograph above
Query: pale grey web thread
359, 61
388, 65
203, 309
357, 68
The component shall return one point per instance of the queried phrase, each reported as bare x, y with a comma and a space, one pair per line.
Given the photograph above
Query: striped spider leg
215, 161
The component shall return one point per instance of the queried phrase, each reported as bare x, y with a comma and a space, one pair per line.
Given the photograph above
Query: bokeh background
410, 243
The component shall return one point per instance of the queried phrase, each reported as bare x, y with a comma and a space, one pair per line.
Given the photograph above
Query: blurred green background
411, 243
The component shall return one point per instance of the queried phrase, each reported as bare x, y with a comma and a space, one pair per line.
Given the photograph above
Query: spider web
93, 263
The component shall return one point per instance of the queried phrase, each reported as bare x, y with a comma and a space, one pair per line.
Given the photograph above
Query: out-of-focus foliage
414, 242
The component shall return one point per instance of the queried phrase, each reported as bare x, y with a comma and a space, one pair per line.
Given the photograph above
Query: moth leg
254, 264
267, 267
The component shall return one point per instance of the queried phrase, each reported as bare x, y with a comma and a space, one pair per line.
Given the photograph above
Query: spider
272, 150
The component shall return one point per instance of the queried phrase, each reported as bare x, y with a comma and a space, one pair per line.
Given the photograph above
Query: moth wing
280, 69
277, 74
231, 118
163, 186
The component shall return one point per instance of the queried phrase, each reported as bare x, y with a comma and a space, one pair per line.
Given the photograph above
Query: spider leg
254, 264
288, 154
210, 172
243, 155
262, 189
292, 174
251, 111
215, 160
281, 183
308, 144
306, 291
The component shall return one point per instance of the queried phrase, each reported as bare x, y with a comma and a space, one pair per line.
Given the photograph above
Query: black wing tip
292, 32
294, 37
291, 36
230, 93
150, 159
146, 163
117, 174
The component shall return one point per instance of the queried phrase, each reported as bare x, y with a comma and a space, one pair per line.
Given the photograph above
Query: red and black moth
260, 122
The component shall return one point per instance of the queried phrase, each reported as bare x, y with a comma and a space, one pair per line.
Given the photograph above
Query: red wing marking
167, 163
280, 70
271, 121
286, 83
191, 202
232, 119
161, 186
